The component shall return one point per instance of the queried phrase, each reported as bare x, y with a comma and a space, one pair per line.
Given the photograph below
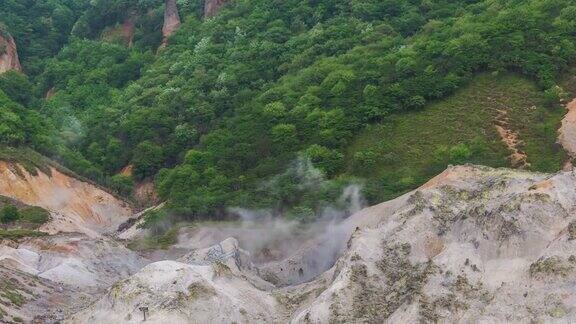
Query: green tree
148, 158
122, 184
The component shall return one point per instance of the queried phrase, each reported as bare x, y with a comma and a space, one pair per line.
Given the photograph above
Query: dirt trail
567, 133
518, 158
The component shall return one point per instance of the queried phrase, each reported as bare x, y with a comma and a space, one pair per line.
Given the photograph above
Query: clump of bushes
122, 184
32, 215
9, 214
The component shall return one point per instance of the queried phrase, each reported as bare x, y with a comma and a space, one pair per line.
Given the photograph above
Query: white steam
294, 252
287, 250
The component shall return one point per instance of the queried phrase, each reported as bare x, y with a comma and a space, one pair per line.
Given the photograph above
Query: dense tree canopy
235, 100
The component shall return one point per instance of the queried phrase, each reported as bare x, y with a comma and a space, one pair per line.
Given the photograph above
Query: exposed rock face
510, 138
144, 192
175, 292
567, 132
34, 299
75, 206
211, 7
46, 279
50, 278
73, 260
128, 28
212, 285
50, 93
8, 54
474, 244
171, 20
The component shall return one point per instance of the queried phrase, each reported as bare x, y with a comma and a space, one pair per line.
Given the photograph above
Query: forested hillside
279, 103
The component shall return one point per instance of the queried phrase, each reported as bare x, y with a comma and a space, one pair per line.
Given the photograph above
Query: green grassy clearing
408, 149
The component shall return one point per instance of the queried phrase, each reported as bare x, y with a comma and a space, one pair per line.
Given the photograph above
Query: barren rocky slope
75, 206
474, 244
44, 279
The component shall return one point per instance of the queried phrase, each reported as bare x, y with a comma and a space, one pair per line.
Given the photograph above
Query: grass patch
17, 234
31, 160
199, 289
9, 291
550, 266
156, 242
408, 149
572, 231
34, 215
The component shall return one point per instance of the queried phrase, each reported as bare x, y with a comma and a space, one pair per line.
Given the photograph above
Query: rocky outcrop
8, 53
175, 292
206, 286
171, 20
73, 260
128, 28
473, 245
75, 206
26, 298
211, 7
44, 280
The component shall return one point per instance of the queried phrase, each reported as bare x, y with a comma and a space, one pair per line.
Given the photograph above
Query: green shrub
122, 184
364, 161
156, 241
152, 218
9, 214
147, 159
553, 96
572, 230
460, 154
329, 161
